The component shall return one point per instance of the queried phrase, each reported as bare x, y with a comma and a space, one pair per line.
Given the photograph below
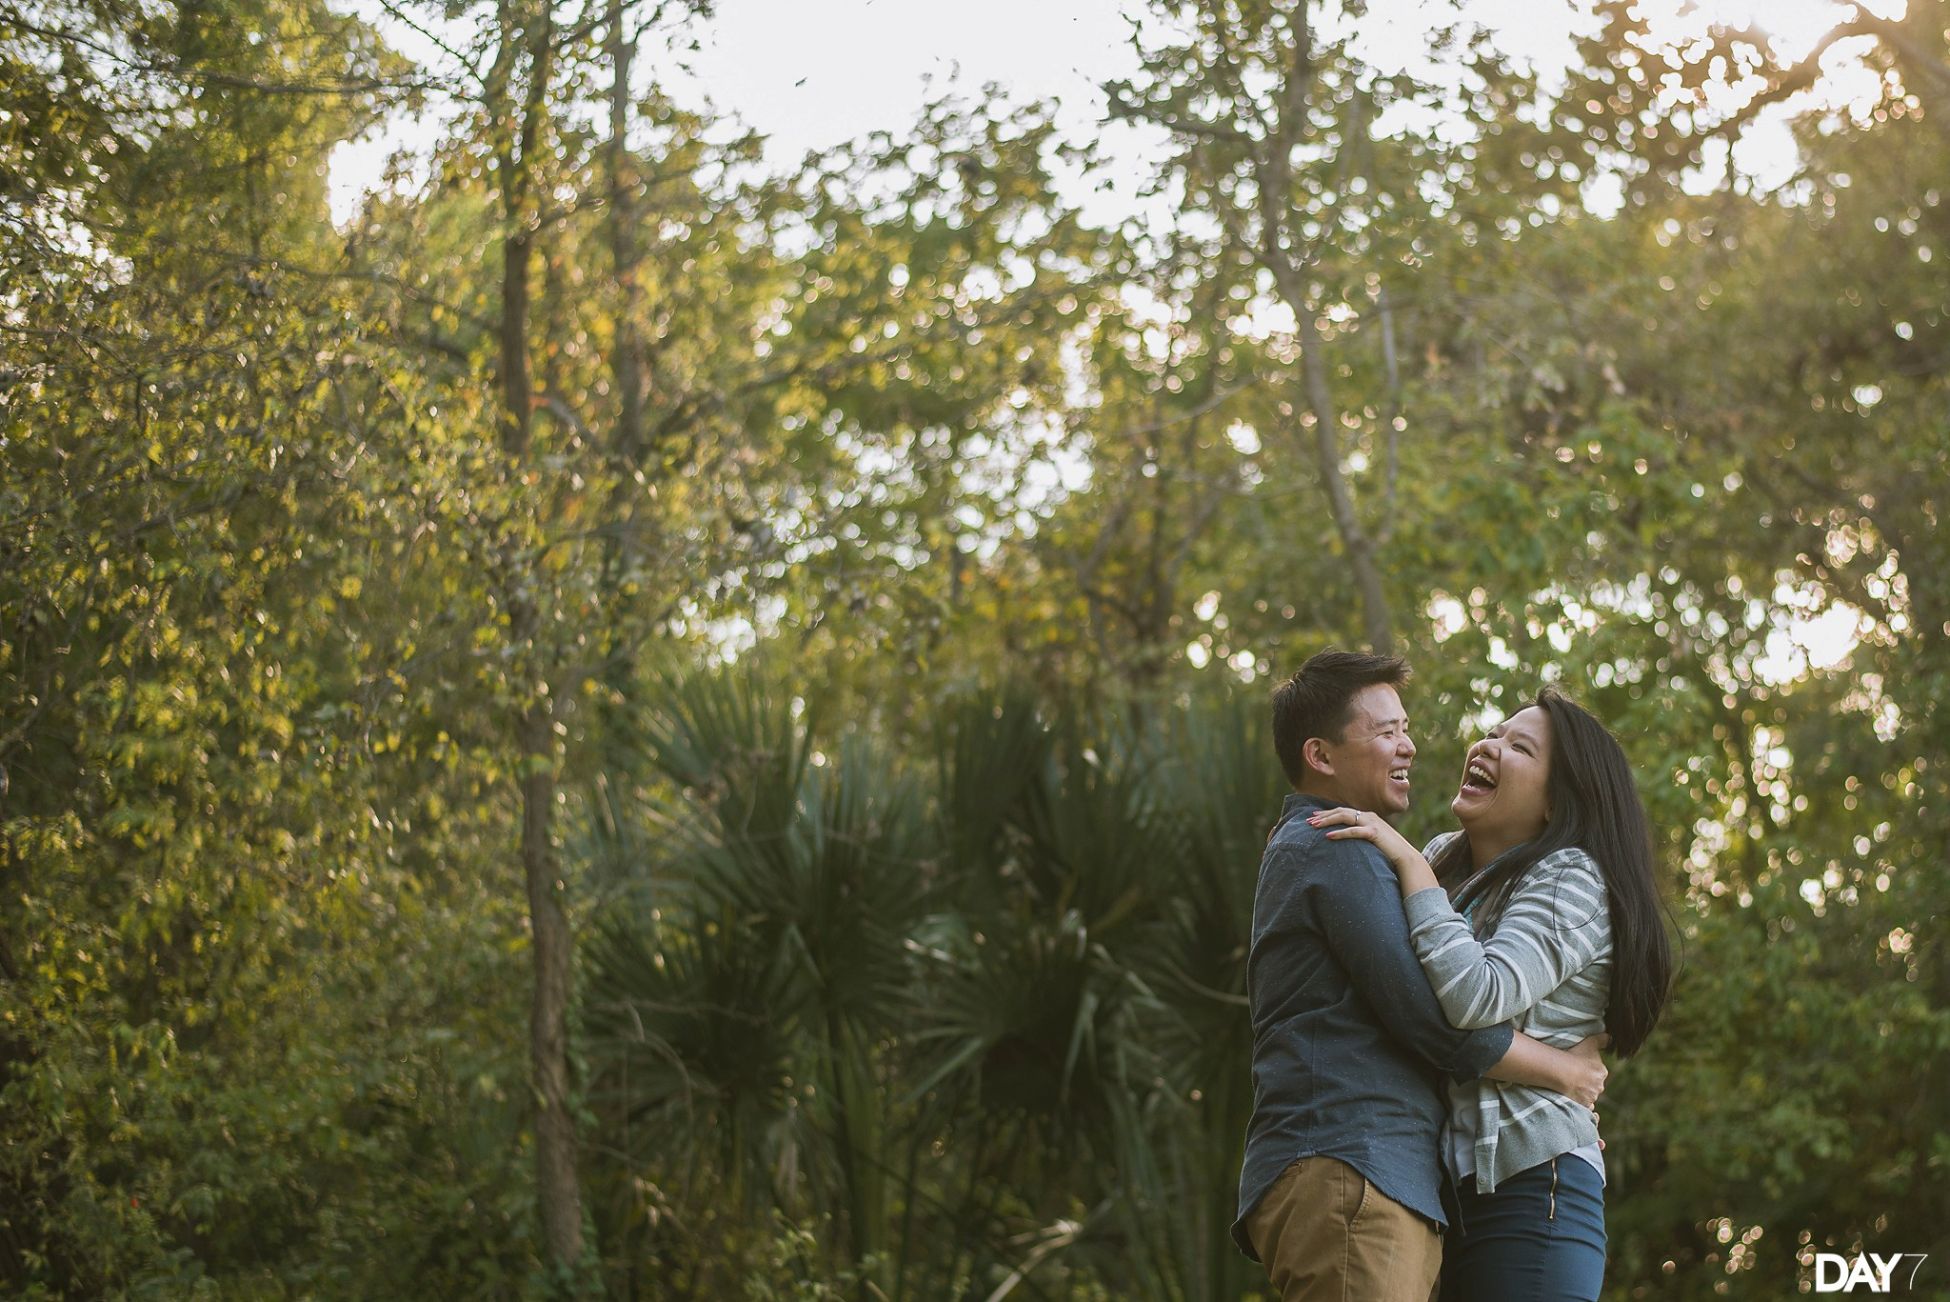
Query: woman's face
1505, 792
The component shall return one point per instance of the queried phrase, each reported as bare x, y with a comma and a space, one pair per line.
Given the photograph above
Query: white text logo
1838, 1274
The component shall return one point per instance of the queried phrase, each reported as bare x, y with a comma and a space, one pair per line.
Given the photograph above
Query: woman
1541, 910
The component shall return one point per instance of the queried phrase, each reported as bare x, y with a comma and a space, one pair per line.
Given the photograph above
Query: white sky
816, 73
811, 74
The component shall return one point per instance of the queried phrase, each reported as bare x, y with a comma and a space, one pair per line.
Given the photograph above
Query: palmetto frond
1223, 794
1100, 840
993, 760
858, 886
1036, 975
1180, 1146
688, 1039
735, 745
1035, 1025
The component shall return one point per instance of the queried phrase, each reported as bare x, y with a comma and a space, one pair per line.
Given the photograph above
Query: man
1340, 1193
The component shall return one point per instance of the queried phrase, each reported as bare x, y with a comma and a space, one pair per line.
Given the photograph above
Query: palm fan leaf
736, 746
689, 1040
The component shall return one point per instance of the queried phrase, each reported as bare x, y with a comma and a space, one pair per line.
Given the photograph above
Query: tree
1289, 144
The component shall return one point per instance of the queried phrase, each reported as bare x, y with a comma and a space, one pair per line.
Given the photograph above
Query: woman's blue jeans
1539, 1238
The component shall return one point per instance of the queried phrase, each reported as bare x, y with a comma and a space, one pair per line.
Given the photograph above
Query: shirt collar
1296, 802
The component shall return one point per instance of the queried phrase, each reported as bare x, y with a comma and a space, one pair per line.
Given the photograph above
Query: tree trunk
548, 1022
627, 357
517, 390
629, 444
1327, 452
1280, 253
557, 1188
1290, 280
548, 1027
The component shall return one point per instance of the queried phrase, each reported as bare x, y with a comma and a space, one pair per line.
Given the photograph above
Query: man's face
1368, 767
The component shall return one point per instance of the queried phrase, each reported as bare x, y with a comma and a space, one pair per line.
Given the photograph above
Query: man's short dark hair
1318, 701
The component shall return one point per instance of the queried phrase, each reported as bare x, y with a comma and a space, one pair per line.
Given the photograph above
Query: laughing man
1340, 1194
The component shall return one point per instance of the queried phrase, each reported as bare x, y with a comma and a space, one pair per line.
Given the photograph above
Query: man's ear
1314, 751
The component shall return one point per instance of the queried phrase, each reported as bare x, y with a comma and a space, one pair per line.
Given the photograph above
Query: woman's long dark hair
1594, 806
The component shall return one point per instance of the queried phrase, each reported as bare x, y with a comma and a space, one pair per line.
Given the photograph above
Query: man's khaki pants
1327, 1235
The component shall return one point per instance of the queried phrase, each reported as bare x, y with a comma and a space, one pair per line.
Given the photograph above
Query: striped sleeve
1557, 921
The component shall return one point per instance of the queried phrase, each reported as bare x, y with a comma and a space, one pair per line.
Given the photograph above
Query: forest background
625, 721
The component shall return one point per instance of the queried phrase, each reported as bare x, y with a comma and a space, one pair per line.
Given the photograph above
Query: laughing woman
1542, 910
